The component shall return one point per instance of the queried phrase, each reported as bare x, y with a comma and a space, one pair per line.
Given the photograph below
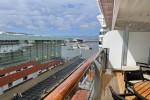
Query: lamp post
81, 53
149, 57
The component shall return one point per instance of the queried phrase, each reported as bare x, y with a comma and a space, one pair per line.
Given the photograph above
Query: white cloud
48, 14
4, 27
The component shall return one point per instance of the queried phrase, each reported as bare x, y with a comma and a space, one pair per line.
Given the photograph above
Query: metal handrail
63, 89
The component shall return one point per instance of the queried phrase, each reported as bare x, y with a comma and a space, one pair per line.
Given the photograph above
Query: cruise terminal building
24, 56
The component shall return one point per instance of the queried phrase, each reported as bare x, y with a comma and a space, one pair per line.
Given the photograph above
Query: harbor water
68, 52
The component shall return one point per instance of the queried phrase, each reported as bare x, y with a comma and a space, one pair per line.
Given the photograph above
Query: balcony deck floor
114, 79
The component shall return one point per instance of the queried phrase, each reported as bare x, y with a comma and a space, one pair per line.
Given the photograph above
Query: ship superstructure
102, 30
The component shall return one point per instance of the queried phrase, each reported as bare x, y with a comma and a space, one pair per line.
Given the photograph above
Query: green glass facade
28, 50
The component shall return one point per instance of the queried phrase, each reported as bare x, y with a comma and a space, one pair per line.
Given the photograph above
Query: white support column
125, 46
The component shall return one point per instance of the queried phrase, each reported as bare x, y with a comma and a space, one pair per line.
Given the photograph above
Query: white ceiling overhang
132, 13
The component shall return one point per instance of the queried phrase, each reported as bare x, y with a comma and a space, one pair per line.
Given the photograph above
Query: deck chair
144, 67
132, 77
119, 96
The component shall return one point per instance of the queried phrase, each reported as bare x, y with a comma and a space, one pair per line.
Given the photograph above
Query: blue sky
50, 17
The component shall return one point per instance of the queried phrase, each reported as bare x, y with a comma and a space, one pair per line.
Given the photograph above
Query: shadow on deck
114, 79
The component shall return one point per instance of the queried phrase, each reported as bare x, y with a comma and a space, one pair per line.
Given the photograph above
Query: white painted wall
17, 81
1, 90
5, 87
35, 74
114, 41
50, 68
138, 47
44, 70
30, 76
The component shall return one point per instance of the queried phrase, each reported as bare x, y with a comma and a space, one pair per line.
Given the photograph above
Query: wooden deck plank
121, 83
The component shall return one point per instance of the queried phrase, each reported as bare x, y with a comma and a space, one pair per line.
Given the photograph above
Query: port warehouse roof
27, 37
20, 74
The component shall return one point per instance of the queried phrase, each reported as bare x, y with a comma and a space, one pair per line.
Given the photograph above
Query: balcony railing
64, 88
